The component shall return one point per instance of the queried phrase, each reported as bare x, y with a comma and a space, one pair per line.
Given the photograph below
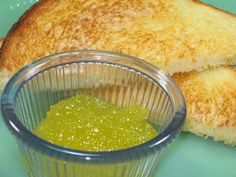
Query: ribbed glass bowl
115, 78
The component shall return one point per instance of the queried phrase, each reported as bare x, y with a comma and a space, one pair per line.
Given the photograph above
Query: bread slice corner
211, 102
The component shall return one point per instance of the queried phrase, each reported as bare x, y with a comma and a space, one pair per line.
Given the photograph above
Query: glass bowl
119, 79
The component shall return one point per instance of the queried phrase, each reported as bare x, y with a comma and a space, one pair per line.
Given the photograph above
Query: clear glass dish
116, 78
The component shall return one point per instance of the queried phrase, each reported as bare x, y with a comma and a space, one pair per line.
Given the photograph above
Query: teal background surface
188, 156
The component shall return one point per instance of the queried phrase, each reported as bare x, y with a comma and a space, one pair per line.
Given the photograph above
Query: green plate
188, 156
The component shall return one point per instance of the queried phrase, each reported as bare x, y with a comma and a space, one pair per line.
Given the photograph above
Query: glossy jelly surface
87, 123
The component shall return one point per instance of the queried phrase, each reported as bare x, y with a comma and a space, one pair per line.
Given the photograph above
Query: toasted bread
177, 36
4, 73
1, 41
211, 102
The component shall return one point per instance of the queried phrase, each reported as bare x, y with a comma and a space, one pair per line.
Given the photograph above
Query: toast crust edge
20, 24
214, 8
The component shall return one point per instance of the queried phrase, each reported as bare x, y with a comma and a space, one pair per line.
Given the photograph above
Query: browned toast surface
211, 102
178, 36
1, 41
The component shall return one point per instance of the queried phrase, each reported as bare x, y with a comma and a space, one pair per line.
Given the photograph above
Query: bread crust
156, 44
17, 27
1, 41
224, 12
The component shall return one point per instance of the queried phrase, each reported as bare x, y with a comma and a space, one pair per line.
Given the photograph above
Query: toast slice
4, 73
211, 102
1, 41
177, 36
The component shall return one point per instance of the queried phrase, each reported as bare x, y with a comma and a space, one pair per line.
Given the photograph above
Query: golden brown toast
175, 35
1, 41
4, 73
211, 102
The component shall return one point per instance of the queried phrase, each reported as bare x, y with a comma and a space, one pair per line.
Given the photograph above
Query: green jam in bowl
86, 123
